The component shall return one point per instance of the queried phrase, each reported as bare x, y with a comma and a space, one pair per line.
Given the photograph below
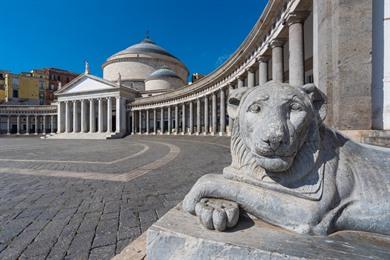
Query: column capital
240, 77
262, 58
251, 69
296, 17
277, 43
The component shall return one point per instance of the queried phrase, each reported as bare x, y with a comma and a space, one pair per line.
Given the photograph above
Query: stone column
140, 121
67, 118
75, 116
109, 115
240, 82
8, 125
132, 122
162, 121
386, 68
169, 120
222, 113
118, 114
27, 125
230, 119
198, 125
37, 125
251, 77
44, 124
155, 121
263, 70
295, 41
52, 124
176, 119
100, 115
214, 112
206, 115
92, 119
60, 117
277, 60
147, 121
183, 130
191, 118
83, 120
18, 124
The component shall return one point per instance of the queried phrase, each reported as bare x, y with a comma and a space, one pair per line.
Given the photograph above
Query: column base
221, 134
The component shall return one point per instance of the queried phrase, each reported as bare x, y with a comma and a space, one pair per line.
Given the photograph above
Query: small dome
164, 72
147, 46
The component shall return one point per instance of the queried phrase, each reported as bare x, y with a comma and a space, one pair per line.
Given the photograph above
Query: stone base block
178, 235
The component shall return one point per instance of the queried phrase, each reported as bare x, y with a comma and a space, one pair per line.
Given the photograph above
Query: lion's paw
217, 214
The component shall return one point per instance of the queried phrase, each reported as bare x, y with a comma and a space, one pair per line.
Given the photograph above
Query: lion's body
292, 171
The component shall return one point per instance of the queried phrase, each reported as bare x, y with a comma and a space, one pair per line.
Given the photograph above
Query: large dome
163, 73
147, 46
136, 63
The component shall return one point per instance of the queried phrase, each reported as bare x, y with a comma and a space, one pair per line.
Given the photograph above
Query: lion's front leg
280, 209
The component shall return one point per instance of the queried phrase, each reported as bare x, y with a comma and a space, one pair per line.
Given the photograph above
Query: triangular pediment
86, 83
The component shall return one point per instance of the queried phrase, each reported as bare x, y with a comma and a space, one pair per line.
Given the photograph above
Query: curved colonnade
273, 50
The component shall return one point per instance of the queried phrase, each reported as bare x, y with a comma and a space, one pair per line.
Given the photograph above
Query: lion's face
274, 121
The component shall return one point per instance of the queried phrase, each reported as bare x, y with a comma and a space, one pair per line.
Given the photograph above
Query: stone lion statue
292, 171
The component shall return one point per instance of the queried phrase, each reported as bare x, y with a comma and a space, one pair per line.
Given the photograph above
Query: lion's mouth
269, 153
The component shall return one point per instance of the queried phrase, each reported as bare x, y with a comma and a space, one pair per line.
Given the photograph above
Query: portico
92, 108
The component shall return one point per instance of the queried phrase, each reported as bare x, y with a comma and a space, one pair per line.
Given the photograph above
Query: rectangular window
15, 83
15, 93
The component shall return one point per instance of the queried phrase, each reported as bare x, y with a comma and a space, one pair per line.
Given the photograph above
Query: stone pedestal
178, 235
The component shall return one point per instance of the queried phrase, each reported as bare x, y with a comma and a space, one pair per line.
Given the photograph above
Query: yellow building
24, 88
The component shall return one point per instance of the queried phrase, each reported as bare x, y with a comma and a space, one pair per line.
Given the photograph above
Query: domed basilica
146, 67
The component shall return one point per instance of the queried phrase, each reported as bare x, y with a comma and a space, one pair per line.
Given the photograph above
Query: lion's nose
274, 140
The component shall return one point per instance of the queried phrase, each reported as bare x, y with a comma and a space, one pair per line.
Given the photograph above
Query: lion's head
273, 122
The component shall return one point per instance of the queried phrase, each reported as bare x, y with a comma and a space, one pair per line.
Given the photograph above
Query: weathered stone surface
292, 171
178, 235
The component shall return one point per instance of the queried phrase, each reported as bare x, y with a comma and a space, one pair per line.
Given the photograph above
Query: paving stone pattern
43, 217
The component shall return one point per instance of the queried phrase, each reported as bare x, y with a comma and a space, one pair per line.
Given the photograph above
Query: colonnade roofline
267, 28
20, 109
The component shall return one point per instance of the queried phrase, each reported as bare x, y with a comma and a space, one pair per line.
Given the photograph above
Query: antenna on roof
147, 35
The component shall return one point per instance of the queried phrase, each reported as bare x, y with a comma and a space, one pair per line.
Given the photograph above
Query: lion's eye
254, 108
296, 107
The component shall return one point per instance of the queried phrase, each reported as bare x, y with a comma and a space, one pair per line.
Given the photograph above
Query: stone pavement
88, 199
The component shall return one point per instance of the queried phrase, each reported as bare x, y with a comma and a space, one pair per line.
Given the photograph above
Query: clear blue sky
53, 33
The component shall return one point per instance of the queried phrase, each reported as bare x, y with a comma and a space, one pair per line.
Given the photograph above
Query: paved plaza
88, 199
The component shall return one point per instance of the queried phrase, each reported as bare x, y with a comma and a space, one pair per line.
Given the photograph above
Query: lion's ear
318, 99
234, 101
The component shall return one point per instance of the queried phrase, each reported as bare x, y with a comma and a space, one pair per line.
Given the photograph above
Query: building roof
164, 72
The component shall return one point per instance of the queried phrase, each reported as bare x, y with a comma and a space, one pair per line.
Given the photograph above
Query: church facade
144, 89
